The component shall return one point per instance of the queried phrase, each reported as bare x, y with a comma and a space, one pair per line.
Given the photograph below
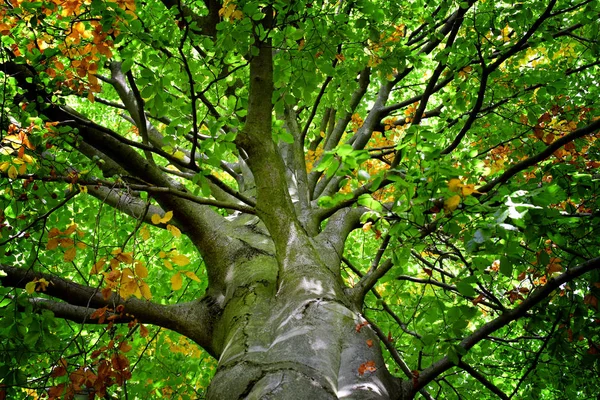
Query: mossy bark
288, 331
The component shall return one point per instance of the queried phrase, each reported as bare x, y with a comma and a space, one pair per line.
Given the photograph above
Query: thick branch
189, 319
273, 202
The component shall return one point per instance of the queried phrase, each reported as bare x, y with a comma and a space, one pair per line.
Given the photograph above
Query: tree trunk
292, 333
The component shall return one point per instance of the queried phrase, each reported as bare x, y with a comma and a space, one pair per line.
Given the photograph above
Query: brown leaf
477, 300
70, 254
120, 362
124, 347
591, 300
143, 331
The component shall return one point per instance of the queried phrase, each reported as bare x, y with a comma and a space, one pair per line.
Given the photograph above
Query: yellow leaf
23, 169
127, 275
180, 260
168, 264
454, 185
467, 190
155, 219
145, 290
114, 263
176, 281
452, 203
43, 284
237, 14
140, 270
191, 275
4, 166
145, 233
12, 172
174, 230
127, 289
180, 155
162, 254
30, 287
98, 267
70, 254
167, 217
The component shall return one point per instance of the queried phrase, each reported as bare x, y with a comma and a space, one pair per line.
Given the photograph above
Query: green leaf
506, 266
466, 289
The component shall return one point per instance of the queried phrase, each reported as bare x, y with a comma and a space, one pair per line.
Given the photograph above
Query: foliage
465, 133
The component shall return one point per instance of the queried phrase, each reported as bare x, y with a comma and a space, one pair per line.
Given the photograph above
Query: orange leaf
370, 342
369, 366
106, 292
359, 326
99, 313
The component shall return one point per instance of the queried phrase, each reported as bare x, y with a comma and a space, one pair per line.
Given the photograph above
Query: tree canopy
181, 179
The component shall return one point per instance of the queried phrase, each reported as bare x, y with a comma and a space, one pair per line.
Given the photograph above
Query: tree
352, 199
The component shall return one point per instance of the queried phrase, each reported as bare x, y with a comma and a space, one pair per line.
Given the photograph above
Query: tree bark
289, 335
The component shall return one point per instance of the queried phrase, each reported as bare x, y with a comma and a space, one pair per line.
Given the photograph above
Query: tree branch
547, 152
483, 380
189, 319
535, 297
